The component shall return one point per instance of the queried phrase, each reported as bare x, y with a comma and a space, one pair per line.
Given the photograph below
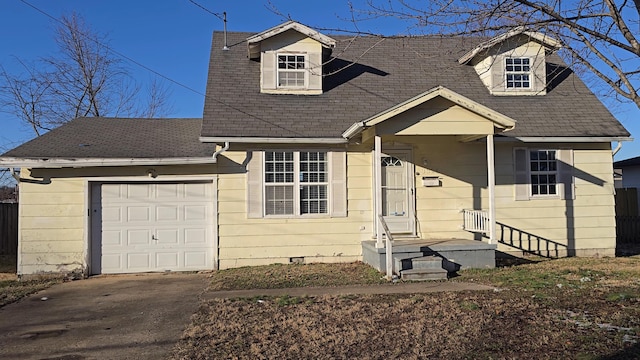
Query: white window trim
304, 71
557, 174
297, 184
507, 73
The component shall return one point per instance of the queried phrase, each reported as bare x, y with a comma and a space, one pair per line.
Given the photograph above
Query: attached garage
152, 226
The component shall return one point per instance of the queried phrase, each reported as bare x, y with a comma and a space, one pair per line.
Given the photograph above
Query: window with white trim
518, 72
286, 171
543, 170
292, 71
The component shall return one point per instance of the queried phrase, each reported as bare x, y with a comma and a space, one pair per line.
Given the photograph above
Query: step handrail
388, 246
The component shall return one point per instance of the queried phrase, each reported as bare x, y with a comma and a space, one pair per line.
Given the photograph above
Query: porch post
491, 180
377, 191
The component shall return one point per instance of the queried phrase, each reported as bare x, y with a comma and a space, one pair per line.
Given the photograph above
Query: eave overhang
15, 162
500, 121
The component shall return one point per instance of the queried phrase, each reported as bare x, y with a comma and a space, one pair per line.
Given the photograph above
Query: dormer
513, 63
291, 57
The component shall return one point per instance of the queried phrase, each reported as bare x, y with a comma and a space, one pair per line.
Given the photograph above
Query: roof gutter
354, 130
99, 162
265, 140
572, 139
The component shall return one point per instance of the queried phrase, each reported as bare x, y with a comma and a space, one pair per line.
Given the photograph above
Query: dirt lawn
557, 309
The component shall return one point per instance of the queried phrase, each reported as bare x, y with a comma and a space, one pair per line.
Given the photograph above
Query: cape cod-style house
418, 155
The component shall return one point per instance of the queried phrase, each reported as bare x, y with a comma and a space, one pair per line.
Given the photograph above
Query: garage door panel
167, 213
112, 263
167, 237
195, 259
138, 237
138, 213
112, 191
168, 191
111, 214
195, 191
111, 238
167, 260
195, 236
195, 212
138, 261
138, 191
156, 227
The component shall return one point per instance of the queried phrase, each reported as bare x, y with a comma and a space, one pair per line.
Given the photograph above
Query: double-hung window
295, 182
291, 71
543, 174
543, 169
518, 73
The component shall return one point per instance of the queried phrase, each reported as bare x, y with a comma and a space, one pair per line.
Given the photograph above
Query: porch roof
448, 113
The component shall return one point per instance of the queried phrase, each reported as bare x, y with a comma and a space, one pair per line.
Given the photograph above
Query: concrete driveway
107, 317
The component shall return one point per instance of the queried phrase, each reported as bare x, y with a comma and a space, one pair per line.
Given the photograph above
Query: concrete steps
422, 268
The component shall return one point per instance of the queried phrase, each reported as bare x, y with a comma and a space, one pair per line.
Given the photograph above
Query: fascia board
13, 162
267, 140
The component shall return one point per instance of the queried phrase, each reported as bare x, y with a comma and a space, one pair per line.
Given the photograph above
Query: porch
428, 165
430, 259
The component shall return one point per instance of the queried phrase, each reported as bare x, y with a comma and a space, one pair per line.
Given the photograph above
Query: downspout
615, 151
218, 152
14, 174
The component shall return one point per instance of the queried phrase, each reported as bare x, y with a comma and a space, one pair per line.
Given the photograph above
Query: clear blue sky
173, 37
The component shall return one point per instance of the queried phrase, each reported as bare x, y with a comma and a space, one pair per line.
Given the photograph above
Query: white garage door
152, 227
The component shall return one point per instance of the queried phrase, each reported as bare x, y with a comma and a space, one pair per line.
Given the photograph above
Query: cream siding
54, 237
245, 241
436, 117
491, 67
461, 167
51, 226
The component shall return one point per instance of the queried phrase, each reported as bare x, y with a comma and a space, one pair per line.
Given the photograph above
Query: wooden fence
628, 230
8, 228
627, 202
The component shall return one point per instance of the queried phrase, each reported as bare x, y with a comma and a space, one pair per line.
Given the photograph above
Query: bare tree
83, 79
25, 95
600, 36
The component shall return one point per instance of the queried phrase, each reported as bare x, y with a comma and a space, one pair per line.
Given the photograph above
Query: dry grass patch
12, 289
571, 272
559, 309
280, 276
505, 325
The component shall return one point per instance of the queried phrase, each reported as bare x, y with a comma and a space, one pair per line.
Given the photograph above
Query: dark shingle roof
385, 72
118, 138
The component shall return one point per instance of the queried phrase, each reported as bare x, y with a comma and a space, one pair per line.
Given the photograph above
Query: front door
397, 191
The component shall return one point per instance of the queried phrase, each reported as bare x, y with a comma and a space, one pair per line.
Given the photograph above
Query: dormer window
291, 71
291, 57
518, 73
513, 63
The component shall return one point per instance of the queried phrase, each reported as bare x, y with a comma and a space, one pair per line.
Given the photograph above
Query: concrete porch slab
456, 254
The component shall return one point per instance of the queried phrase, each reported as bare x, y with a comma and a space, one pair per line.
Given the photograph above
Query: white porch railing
389, 245
476, 221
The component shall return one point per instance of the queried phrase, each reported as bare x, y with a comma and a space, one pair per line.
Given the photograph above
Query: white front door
397, 191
